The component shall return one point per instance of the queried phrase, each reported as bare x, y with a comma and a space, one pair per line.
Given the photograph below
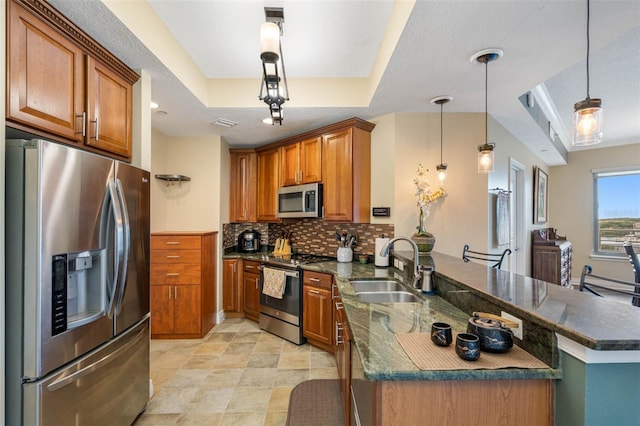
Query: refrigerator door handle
126, 243
96, 365
118, 246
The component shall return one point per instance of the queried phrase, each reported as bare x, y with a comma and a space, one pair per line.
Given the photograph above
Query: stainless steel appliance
77, 287
249, 241
283, 317
300, 201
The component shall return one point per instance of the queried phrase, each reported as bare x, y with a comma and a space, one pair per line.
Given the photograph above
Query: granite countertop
373, 327
596, 323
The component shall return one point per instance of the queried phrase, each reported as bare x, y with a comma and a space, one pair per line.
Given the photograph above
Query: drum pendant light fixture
273, 88
587, 114
442, 167
485, 151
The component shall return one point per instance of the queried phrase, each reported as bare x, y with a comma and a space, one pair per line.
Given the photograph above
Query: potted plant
425, 198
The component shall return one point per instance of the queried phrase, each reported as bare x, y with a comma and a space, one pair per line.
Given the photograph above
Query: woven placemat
428, 356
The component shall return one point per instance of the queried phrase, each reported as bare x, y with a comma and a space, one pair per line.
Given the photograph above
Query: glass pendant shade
587, 122
442, 172
485, 158
270, 42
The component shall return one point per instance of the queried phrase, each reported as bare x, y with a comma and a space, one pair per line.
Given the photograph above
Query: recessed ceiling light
154, 105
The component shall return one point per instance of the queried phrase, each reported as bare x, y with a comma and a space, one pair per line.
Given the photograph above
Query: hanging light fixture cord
588, 46
486, 102
441, 132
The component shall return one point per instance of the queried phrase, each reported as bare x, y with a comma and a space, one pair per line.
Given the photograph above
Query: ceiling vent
223, 122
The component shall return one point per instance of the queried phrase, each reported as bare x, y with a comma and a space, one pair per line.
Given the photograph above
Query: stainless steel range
283, 316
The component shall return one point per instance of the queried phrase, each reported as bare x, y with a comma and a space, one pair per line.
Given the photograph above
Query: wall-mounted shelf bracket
170, 179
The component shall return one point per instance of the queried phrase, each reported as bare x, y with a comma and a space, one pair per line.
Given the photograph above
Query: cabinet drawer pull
339, 306
316, 280
172, 242
97, 128
314, 291
248, 266
173, 257
173, 274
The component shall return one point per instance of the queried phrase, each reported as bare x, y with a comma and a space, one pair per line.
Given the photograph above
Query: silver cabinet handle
83, 132
248, 266
173, 274
97, 128
313, 291
257, 283
173, 257
172, 242
169, 288
175, 292
339, 306
316, 280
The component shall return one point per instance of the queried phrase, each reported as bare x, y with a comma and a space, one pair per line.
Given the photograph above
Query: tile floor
236, 375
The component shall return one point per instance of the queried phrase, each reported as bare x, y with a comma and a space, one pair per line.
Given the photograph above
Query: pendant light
485, 151
587, 114
442, 167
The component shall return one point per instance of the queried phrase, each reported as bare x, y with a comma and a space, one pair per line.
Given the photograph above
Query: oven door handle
294, 274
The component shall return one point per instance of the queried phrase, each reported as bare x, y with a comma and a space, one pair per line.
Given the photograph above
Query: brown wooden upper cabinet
346, 173
63, 85
302, 162
268, 183
242, 191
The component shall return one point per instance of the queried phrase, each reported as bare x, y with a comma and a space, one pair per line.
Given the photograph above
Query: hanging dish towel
503, 216
274, 282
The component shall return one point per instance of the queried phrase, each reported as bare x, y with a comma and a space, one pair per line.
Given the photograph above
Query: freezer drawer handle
96, 365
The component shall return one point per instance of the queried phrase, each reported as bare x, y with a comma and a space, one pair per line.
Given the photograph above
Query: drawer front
176, 242
179, 273
175, 256
251, 267
317, 279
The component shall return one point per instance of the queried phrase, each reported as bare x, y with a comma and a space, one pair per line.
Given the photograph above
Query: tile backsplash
311, 235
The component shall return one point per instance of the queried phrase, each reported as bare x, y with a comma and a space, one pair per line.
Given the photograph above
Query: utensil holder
345, 254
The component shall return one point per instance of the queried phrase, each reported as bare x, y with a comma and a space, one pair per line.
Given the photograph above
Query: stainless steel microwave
300, 201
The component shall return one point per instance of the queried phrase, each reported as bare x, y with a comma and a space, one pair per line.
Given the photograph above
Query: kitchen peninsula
550, 314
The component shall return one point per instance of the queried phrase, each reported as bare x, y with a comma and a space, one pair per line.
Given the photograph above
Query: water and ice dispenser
79, 294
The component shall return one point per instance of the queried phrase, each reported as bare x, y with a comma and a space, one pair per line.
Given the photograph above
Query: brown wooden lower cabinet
251, 289
183, 284
343, 358
455, 402
317, 309
232, 302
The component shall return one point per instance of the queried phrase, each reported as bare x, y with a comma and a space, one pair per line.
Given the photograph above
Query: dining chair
635, 263
605, 286
493, 259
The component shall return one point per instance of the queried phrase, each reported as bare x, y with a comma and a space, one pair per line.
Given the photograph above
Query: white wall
571, 205
186, 206
200, 204
465, 216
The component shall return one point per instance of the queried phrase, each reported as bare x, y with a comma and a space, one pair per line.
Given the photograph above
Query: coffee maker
249, 241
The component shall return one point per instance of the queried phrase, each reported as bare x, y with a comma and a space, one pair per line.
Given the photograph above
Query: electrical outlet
401, 265
517, 332
395, 263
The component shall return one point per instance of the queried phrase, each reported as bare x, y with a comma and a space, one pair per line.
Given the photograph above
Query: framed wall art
540, 196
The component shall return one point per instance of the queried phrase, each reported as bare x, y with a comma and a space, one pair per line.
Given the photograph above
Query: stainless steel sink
387, 297
376, 285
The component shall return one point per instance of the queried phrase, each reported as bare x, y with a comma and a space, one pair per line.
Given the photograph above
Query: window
616, 211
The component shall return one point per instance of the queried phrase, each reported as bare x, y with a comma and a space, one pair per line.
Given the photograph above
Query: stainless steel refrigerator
77, 287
